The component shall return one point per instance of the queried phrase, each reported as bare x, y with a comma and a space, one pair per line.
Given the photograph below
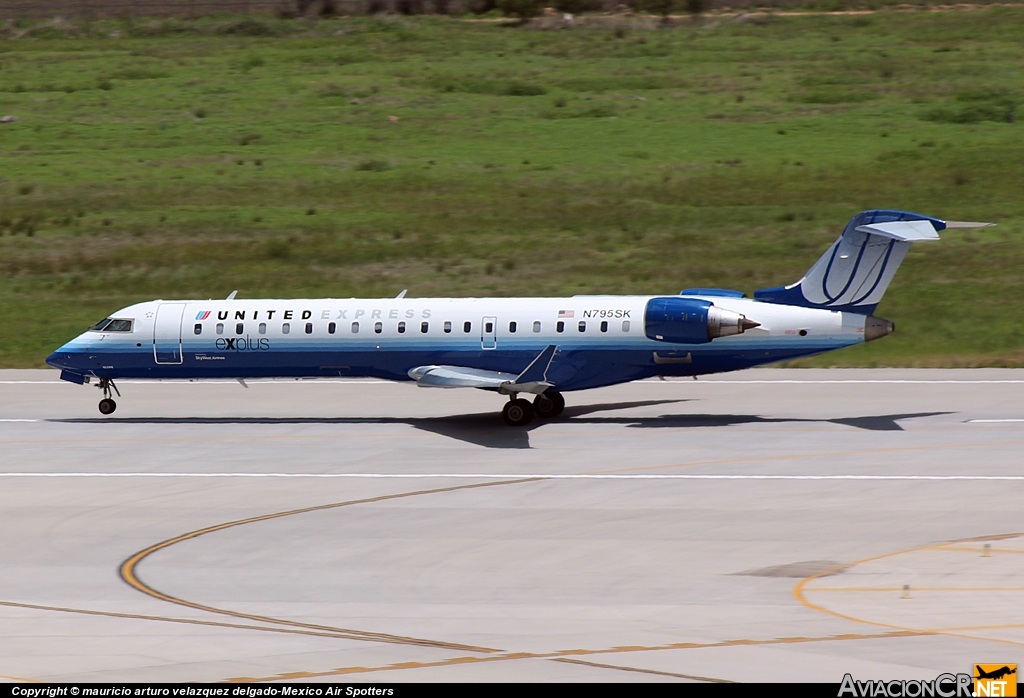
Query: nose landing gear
107, 405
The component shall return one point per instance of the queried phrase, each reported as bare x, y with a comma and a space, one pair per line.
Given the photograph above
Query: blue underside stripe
572, 369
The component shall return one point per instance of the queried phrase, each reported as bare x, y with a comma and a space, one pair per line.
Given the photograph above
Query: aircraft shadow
887, 422
488, 429
483, 429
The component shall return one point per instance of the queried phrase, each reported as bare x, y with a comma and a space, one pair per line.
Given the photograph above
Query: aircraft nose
61, 359
54, 360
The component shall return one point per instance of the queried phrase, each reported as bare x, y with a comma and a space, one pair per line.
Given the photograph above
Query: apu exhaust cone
876, 328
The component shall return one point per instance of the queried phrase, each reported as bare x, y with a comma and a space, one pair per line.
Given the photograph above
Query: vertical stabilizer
854, 273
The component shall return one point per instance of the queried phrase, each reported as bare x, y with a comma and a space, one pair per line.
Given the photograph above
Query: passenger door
167, 333
489, 333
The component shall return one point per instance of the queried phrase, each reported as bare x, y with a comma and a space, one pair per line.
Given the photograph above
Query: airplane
540, 347
996, 674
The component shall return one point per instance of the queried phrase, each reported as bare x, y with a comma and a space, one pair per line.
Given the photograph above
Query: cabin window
512, 327
263, 328
198, 328
536, 325
560, 327
625, 325
355, 328
119, 326
239, 327
378, 327
309, 328
286, 328
220, 328
604, 326
332, 327
447, 326
583, 326
467, 327
424, 326
401, 328
488, 327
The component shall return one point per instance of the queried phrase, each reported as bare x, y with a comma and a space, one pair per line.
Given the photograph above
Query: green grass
188, 158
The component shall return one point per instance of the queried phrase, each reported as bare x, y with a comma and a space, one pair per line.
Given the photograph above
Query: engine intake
691, 321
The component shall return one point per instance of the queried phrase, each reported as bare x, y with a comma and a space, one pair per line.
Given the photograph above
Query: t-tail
854, 273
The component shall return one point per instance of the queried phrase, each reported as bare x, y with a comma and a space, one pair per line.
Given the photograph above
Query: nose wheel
107, 404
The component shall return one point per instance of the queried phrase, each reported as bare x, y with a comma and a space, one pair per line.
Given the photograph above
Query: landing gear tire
107, 406
549, 405
517, 413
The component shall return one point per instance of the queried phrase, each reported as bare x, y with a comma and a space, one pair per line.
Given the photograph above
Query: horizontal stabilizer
967, 224
907, 231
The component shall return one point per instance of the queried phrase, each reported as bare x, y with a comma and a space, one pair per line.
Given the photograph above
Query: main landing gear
107, 405
518, 412
549, 405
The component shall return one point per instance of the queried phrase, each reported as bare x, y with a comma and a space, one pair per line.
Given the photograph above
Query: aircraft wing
533, 379
459, 377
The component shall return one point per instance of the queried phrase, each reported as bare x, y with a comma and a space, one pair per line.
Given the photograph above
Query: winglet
537, 371
232, 295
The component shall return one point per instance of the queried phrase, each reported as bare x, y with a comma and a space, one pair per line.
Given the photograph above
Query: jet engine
691, 321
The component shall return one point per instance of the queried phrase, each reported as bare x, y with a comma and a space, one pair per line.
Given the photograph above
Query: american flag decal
566, 313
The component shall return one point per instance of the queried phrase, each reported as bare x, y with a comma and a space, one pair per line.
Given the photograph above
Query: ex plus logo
995, 680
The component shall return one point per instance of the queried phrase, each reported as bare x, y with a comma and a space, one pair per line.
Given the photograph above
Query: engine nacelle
691, 321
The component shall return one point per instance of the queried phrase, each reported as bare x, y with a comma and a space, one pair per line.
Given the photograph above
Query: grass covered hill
187, 158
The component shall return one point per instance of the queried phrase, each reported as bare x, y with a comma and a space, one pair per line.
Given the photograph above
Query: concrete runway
758, 526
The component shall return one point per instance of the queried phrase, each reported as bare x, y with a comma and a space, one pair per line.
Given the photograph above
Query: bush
576, 7
523, 9
252, 62
696, 7
277, 249
522, 89
372, 166
976, 105
658, 7
506, 88
246, 27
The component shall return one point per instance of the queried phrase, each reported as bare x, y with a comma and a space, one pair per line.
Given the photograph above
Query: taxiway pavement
766, 525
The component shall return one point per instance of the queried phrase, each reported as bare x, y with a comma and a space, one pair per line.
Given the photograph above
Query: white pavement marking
539, 476
19, 420
992, 421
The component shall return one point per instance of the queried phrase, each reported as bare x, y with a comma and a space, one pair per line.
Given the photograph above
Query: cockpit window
112, 325
119, 326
